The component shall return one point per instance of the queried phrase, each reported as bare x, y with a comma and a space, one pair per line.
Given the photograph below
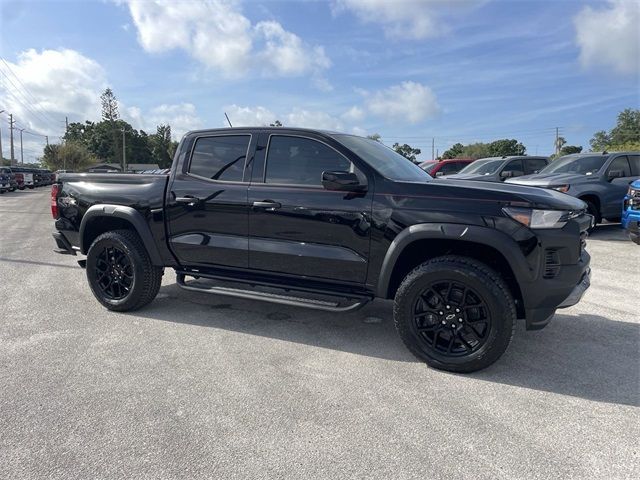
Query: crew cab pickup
331, 221
599, 179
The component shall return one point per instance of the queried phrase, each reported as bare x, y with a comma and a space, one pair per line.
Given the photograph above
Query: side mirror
439, 174
342, 181
507, 174
615, 174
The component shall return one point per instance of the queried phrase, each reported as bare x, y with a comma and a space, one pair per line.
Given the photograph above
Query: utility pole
46, 137
11, 122
21, 151
433, 148
124, 153
557, 141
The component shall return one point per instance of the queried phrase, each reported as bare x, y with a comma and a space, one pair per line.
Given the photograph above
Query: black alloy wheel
455, 313
451, 318
114, 273
120, 272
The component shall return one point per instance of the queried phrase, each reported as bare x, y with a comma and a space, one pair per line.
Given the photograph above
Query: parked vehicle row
599, 179
19, 178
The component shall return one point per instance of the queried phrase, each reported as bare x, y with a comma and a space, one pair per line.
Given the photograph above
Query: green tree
277, 123
375, 136
162, 146
69, 156
626, 131
506, 147
454, 152
407, 151
109, 105
476, 150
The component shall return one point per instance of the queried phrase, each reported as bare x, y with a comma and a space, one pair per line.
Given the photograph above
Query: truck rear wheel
455, 314
120, 272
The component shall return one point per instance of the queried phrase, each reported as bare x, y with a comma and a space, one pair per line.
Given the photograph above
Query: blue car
631, 212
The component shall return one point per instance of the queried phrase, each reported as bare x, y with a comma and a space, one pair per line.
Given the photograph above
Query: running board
312, 303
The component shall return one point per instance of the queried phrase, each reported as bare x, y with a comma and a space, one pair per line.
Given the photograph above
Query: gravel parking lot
198, 386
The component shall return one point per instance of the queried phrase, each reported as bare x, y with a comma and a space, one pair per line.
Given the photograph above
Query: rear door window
220, 158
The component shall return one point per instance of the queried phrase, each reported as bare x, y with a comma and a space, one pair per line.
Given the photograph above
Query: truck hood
549, 179
506, 193
469, 176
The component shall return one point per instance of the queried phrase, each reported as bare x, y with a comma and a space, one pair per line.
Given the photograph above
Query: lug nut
460, 320
457, 310
441, 313
448, 307
443, 322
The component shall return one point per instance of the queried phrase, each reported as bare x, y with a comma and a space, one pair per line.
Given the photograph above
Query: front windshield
483, 167
580, 165
385, 160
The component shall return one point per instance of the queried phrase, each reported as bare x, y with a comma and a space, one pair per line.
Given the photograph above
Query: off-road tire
465, 272
147, 278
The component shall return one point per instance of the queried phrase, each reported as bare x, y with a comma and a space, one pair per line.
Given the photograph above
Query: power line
36, 103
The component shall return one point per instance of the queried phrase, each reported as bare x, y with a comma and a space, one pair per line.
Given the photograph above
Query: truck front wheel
455, 314
120, 272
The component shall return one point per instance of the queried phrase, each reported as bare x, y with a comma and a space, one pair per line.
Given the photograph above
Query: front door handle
267, 205
190, 201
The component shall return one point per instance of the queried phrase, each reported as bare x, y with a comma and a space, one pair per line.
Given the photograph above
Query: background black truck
330, 221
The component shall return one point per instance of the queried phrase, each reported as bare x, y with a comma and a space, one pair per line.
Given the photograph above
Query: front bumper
578, 291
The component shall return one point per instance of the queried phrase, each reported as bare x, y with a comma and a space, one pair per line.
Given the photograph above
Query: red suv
438, 168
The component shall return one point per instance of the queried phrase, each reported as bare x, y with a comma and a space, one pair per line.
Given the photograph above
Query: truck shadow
586, 356
610, 232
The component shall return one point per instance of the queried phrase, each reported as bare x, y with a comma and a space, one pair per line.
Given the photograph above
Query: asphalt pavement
202, 386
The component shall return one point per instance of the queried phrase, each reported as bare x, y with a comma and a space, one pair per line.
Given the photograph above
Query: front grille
551, 263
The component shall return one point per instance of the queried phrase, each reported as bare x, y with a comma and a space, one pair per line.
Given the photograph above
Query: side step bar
315, 304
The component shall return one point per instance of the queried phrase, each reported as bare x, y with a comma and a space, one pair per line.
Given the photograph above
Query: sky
429, 72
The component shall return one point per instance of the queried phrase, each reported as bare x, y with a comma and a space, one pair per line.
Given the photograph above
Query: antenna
227, 117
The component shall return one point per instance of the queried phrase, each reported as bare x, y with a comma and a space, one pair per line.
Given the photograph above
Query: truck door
296, 227
619, 184
207, 207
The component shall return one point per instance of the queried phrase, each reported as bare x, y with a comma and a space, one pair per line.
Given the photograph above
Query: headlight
633, 192
561, 188
534, 218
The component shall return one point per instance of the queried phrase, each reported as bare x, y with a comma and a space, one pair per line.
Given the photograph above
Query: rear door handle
267, 205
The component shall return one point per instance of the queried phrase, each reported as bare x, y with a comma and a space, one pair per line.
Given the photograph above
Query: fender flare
131, 215
489, 237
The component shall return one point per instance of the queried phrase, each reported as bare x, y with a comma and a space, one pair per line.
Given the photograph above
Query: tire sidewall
500, 328
113, 239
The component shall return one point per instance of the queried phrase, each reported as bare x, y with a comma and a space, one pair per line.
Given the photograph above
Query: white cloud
250, 116
52, 84
182, 118
218, 35
414, 19
610, 37
354, 114
410, 102
312, 119
297, 117
284, 52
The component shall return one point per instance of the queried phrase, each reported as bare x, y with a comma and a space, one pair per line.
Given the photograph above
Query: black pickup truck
330, 221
